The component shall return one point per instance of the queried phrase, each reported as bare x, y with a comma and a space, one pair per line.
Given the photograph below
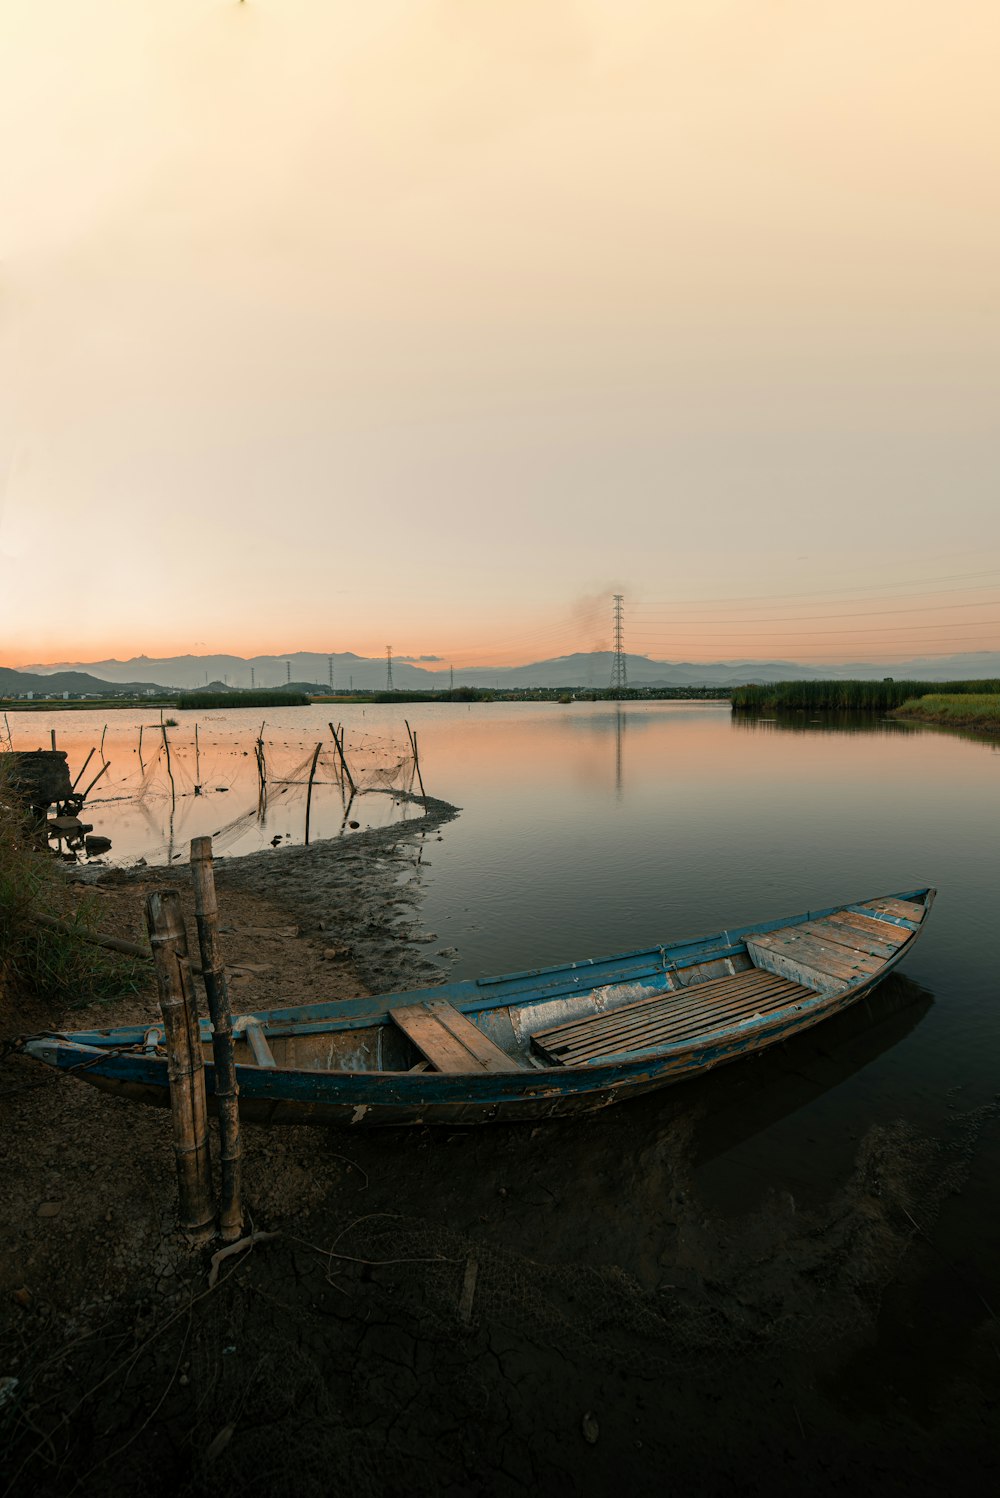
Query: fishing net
263, 775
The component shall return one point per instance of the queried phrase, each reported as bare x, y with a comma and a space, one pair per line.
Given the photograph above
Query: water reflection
781, 1081
229, 776
866, 724
630, 1182
828, 722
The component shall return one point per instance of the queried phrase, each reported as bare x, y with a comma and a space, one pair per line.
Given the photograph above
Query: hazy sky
326, 325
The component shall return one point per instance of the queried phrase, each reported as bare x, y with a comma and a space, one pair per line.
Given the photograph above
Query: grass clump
955, 709
36, 962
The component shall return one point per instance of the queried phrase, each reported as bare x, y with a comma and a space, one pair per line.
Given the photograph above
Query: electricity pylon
619, 670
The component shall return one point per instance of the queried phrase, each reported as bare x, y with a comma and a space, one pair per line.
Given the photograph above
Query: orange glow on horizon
891, 629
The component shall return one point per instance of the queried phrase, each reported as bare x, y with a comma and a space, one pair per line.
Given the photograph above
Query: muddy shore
482, 1311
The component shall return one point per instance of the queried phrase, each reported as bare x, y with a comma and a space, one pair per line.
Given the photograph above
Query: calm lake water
588, 829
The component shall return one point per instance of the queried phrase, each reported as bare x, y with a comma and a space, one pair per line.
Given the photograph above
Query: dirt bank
486, 1311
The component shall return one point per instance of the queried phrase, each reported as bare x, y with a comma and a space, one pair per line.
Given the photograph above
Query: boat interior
581, 1021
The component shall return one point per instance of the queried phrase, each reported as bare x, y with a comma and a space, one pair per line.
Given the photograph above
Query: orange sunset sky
327, 325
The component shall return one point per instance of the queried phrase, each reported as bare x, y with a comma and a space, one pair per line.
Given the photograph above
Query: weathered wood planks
848, 938
892, 936
448, 1040
816, 952
839, 949
906, 910
669, 1019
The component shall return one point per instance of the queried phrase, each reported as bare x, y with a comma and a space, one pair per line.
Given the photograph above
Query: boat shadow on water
622, 1186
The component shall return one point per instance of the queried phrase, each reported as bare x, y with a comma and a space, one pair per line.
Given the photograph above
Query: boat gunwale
263, 1084
522, 1080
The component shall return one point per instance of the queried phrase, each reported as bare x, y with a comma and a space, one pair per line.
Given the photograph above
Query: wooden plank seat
449, 1041
669, 1018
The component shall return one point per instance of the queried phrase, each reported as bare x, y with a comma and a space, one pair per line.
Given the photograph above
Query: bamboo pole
99, 939
416, 761
142, 767
96, 938
343, 759
173, 788
261, 762
102, 771
185, 1067
197, 763
309, 793
227, 1092
336, 767
103, 732
79, 772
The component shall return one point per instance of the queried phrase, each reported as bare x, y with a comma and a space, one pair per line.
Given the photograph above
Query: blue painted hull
362, 1087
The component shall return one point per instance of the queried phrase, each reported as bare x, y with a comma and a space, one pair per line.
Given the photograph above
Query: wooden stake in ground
416, 758
206, 910
261, 768
309, 793
103, 771
185, 1067
416, 761
79, 772
343, 758
166, 746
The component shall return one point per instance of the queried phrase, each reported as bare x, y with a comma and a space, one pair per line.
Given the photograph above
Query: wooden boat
541, 1044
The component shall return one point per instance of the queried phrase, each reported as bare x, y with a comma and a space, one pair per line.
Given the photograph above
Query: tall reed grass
858, 696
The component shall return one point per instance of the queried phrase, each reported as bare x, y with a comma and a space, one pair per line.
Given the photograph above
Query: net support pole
343, 759
309, 793
185, 1067
227, 1092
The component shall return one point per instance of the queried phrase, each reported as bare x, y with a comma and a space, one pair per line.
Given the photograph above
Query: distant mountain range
51, 681
590, 669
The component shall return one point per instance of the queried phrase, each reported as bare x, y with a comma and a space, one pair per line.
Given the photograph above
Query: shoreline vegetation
303, 696
956, 704
852, 696
979, 710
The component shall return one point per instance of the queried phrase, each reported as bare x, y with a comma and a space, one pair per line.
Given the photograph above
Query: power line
915, 608
813, 597
858, 629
